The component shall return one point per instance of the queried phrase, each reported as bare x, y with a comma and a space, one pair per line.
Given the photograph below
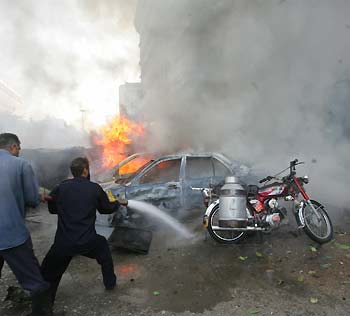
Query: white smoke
262, 81
49, 132
68, 55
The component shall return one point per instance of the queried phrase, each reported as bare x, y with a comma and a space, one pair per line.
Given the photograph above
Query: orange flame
116, 140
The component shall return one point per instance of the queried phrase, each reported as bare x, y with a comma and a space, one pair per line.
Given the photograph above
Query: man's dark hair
7, 139
77, 166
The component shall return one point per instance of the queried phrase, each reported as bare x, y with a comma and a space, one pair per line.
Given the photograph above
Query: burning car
162, 180
166, 181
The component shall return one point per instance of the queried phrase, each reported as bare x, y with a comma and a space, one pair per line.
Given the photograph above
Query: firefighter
18, 190
75, 202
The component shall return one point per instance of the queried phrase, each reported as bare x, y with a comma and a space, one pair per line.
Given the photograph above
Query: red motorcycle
236, 210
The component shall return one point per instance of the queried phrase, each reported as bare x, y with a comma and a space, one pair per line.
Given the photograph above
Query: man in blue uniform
18, 190
75, 202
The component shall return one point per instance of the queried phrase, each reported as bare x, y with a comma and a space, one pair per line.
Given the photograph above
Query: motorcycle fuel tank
233, 199
272, 190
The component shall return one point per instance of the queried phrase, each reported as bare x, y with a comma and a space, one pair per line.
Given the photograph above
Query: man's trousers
25, 266
57, 261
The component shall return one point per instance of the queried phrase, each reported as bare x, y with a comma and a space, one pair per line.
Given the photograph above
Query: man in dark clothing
18, 190
75, 201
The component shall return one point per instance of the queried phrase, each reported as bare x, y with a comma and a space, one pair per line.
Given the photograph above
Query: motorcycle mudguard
207, 213
299, 213
210, 207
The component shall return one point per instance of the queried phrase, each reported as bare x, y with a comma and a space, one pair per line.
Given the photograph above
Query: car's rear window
220, 170
199, 167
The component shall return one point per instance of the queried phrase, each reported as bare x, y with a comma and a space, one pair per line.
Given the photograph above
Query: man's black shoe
42, 304
110, 288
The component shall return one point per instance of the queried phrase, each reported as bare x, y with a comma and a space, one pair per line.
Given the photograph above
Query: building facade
131, 101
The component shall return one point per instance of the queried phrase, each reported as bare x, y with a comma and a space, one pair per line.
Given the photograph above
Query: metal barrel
233, 199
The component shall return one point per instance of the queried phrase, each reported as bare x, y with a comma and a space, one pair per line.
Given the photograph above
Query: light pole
83, 111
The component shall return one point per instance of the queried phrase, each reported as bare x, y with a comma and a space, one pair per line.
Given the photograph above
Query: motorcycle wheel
318, 229
224, 237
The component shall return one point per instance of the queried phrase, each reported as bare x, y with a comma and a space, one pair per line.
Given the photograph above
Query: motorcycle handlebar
292, 165
268, 178
294, 162
199, 189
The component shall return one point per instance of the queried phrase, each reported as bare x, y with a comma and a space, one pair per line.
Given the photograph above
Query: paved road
283, 274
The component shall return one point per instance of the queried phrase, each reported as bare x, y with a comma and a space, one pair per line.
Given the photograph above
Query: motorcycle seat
252, 190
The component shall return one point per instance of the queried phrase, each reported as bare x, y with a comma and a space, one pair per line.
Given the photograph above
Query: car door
199, 172
159, 184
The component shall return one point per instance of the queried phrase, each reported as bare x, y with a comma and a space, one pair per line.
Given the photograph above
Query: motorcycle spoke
316, 221
227, 235
311, 215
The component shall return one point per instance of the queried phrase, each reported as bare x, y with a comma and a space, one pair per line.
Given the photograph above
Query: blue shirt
18, 189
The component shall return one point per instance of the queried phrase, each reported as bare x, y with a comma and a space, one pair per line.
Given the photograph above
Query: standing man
75, 202
18, 190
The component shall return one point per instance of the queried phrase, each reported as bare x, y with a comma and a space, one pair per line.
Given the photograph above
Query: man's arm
30, 186
104, 205
52, 201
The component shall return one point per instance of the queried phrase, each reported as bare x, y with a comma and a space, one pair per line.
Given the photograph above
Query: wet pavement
283, 273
